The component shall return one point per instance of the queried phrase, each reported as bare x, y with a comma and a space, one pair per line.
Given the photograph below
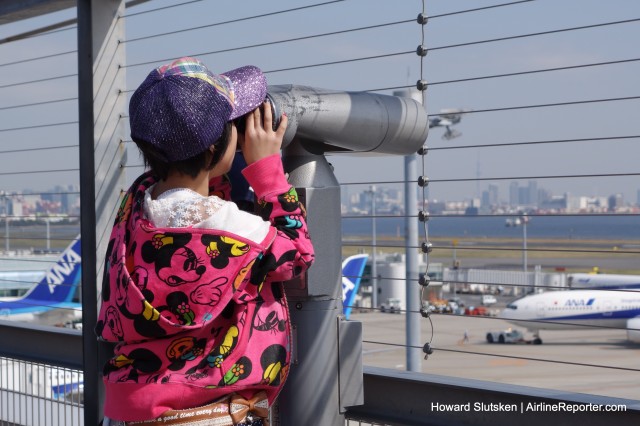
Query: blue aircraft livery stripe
628, 314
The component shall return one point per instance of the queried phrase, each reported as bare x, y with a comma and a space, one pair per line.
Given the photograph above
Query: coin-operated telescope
324, 122
335, 121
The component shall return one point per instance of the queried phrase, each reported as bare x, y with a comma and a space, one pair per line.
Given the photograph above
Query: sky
47, 156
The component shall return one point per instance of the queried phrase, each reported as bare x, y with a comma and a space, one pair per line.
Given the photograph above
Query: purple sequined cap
249, 87
182, 108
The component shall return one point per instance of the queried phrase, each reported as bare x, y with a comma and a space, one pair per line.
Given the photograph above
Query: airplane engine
633, 330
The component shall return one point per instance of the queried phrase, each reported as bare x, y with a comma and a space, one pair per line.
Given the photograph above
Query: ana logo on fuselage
579, 302
62, 269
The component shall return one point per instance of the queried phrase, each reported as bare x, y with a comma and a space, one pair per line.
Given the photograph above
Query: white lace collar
180, 207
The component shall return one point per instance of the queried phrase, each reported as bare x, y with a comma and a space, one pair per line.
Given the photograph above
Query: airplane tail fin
352, 269
61, 281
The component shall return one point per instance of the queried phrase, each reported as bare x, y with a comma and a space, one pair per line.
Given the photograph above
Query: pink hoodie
199, 313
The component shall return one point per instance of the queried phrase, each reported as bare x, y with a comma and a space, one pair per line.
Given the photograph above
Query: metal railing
126, 47
34, 394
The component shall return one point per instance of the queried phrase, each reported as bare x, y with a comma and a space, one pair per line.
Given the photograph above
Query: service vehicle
505, 336
391, 305
488, 299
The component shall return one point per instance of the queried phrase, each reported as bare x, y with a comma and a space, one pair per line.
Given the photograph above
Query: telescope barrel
338, 121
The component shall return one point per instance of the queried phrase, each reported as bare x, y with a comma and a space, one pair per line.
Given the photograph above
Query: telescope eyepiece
276, 113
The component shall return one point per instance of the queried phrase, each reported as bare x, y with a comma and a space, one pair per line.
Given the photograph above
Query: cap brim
249, 88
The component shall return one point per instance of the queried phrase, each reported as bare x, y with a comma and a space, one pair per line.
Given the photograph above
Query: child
192, 292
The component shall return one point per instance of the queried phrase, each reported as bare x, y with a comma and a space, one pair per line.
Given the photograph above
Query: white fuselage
574, 309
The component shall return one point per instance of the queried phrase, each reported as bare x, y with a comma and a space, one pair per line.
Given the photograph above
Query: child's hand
260, 140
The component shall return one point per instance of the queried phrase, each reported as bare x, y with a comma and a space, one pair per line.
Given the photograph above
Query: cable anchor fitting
427, 349
423, 216
422, 51
426, 247
425, 313
422, 19
424, 280
421, 85
424, 150
423, 181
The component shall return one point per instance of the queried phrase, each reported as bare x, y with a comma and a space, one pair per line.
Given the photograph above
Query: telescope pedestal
312, 394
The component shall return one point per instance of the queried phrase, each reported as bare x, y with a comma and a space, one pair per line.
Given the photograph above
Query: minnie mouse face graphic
175, 264
184, 267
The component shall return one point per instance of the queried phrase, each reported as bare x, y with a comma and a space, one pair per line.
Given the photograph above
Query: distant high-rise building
615, 202
514, 196
543, 196
489, 197
69, 197
484, 201
16, 209
523, 196
533, 193
493, 195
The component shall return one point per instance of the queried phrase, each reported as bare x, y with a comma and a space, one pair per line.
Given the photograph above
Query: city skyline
529, 198
501, 127
58, 200
523, 195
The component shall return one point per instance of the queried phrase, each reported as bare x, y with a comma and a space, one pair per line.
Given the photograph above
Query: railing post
412, 317
100, 106
413, 298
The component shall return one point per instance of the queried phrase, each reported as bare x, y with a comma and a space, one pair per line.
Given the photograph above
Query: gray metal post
374, 243
46, 221
524, 244
413, 318
97, 20
92, 391
311, 395
524, 252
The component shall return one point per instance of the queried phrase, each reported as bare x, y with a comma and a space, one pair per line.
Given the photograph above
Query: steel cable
564, 362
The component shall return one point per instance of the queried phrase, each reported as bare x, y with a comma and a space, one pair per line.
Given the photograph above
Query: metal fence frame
390, 396
406, 398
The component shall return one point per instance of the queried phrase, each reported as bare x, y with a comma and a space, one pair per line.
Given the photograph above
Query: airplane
352, 269
446, 119
576, 310
603, 281
50, 302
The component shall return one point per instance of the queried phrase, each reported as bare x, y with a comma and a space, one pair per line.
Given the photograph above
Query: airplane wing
60, 314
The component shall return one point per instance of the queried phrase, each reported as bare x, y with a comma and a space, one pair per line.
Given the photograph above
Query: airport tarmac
605, 263
611, 363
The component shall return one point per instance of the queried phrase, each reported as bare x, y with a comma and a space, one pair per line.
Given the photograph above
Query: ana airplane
603, 281
576, 310
352, 269
50, 301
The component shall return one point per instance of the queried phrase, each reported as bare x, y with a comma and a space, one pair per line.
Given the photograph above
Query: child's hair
159, 166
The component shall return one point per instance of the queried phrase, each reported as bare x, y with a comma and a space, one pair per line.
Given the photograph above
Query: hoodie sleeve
291, 253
